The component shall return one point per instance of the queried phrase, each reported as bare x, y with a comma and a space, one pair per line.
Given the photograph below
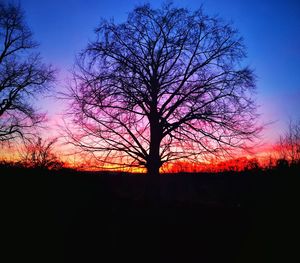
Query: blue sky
271, 31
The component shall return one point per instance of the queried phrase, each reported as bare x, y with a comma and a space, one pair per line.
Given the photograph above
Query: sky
271, 32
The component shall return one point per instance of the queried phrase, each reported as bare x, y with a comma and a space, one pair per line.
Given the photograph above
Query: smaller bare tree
39, 153
289, 143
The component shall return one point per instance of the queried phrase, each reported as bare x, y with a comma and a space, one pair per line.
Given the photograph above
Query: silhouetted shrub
282, 164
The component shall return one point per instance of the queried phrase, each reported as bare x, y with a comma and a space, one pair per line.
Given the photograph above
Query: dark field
68, 216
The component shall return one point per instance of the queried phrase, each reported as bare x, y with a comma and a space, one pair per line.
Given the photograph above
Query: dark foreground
80, 217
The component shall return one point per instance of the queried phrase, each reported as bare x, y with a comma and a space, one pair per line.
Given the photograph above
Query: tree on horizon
166, 84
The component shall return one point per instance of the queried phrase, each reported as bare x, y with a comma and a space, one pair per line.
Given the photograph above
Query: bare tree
39, 153
166, 84
22, 74
289, 143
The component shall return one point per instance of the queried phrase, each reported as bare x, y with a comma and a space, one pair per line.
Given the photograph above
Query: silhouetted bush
282, 164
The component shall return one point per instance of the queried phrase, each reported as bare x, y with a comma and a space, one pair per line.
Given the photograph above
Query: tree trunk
153, 169
154, 162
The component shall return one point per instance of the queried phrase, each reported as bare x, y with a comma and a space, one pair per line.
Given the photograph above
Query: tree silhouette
166, 84
38, 153
289, 143
22, 75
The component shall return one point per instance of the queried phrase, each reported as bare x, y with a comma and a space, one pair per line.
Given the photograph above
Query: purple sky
271, 31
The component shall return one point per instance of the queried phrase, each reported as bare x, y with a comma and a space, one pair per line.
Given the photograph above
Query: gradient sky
271, 31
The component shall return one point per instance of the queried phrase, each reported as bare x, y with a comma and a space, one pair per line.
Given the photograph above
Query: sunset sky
271, 31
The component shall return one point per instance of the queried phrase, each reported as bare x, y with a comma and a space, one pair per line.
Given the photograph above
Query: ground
68, 216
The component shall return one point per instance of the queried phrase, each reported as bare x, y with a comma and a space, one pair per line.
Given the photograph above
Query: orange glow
264, 157
238, 164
